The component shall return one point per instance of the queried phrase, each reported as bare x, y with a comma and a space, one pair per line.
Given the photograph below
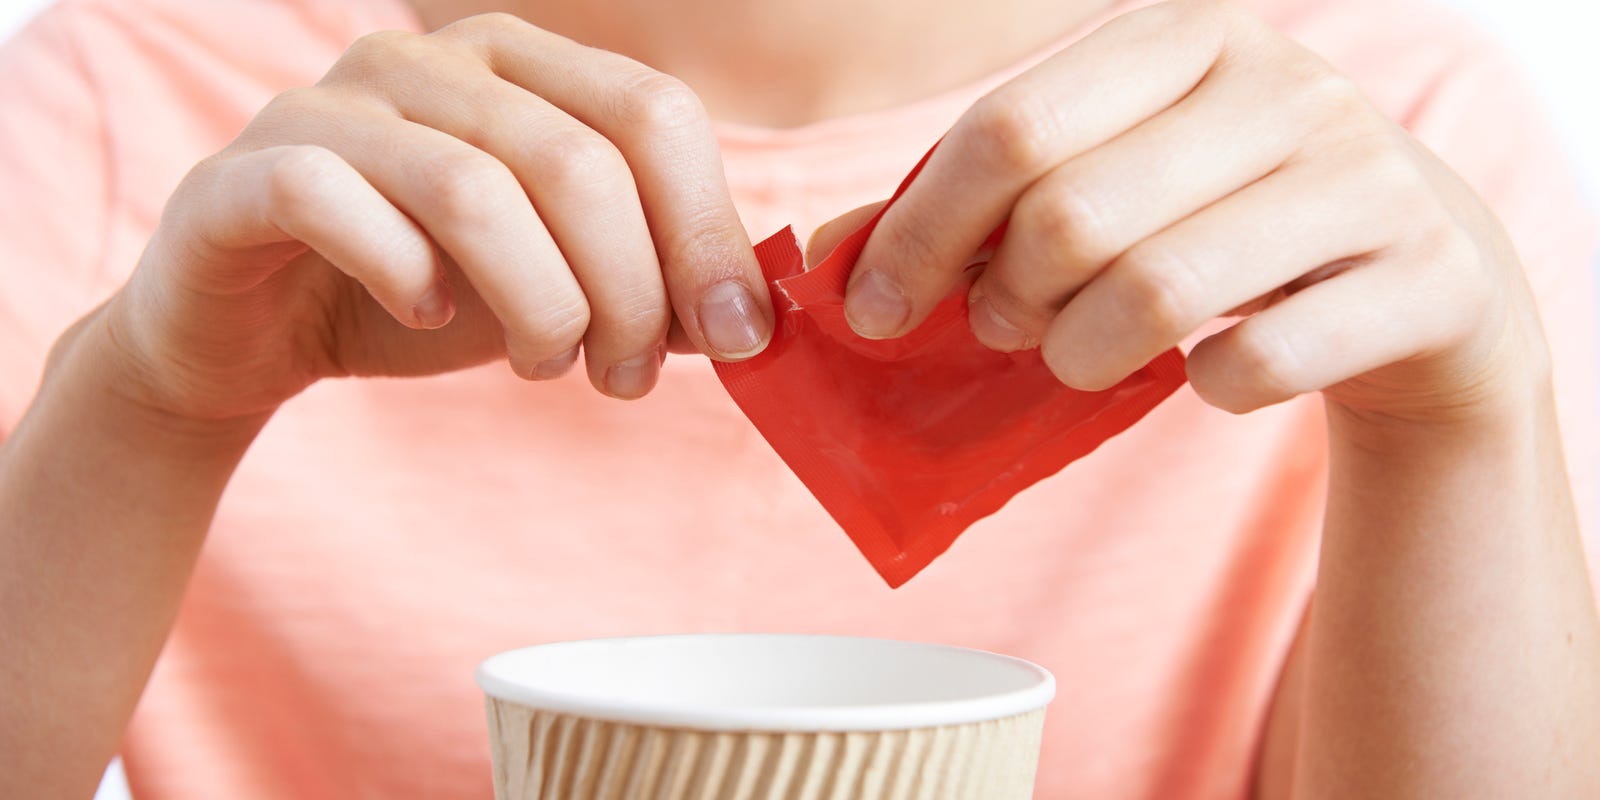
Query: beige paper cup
763, 717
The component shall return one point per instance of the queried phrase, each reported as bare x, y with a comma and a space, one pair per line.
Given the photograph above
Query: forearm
103, 507
1452, 649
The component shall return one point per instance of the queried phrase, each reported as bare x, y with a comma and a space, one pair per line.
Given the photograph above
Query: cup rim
492, 677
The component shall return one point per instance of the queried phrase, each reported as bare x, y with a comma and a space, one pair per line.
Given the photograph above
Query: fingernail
995, 331
876, 306
732, 321
434, 309
634, 377
557, 366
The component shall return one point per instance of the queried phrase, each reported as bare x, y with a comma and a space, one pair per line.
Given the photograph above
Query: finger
1265, 236
661, 128
582, 189
474, 208
678, 341
831, 233
1397, 308
1076, 100
309, 195
1074, 221
821, 242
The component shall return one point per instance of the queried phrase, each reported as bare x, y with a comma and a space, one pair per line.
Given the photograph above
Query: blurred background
1554, 38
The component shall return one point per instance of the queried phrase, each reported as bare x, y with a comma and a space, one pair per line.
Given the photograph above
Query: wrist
91, 379
1488, 464
1498, 388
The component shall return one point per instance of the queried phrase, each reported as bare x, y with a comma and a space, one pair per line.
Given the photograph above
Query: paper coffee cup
763, 717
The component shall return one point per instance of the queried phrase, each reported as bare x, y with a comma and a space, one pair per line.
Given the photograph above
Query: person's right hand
435, 202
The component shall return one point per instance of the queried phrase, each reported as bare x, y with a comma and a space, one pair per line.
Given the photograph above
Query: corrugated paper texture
544, 756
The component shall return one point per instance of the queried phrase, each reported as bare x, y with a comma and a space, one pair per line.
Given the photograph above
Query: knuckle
1004, 288
1218, 11
639, 317
1197, 7
1265, 362
292, 102
656, 101
701, 236
577, 160
559, 325
1236, 15
1013, 132
1220, 24
492, 21
1383, 160
1012, 302
1334, 88
1455, 247
1161, 16
907, 232
289, 114
1377, 154
298, 115
482, 28
466, 187
375, 42
1162, 290
299, 172
1326, 94
209, 170
1455, 266
1068, 216
381, 50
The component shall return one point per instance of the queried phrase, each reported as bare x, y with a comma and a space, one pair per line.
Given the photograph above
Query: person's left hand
1186, 162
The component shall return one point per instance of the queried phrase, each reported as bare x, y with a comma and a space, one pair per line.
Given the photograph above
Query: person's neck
786, 63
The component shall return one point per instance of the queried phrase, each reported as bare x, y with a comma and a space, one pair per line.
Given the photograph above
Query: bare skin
1453, 648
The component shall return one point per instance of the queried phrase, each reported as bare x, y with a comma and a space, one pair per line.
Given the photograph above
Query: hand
516, 191
1186, 162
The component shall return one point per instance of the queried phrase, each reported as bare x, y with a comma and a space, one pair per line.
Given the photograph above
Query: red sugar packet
908, 441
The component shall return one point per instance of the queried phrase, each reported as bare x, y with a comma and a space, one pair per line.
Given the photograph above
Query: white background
1556, 39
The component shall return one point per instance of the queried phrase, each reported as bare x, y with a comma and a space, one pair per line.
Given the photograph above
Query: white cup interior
768, 682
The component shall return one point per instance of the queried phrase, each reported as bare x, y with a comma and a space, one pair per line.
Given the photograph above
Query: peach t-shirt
384, 535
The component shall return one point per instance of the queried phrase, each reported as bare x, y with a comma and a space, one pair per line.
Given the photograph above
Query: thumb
821, 243
834, 231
